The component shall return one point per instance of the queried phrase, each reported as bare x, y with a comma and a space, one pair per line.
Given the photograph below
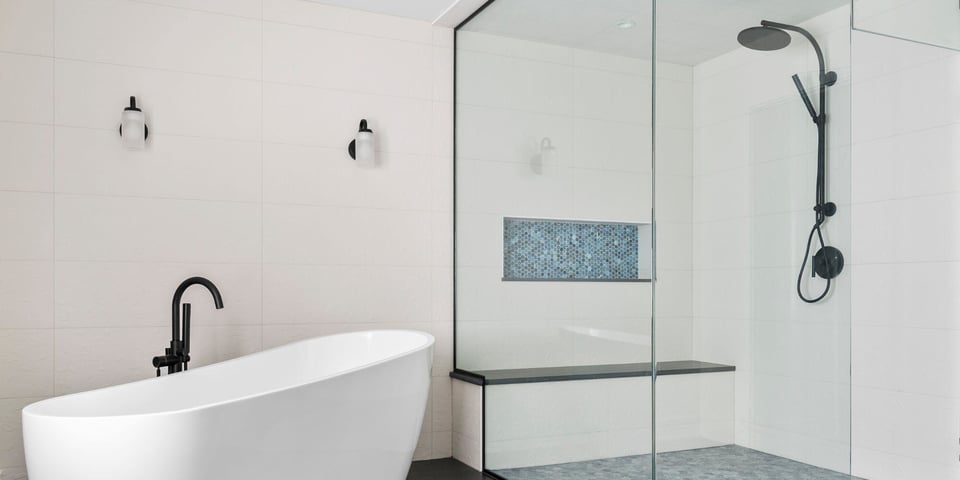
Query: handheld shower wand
828, 261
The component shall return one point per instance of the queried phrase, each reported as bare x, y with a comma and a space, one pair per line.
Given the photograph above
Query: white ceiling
688, 31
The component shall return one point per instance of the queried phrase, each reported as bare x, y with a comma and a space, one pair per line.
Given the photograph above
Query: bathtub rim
429, 342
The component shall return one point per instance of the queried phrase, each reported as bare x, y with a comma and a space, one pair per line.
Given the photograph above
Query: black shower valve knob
828, 262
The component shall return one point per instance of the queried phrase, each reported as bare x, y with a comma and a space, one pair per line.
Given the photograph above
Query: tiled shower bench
539, 416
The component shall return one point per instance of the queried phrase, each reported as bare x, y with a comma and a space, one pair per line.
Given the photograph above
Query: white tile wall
33, 32
245, 179
468, 423
204, 42
28, 157
753, 185
26, 89
905, 423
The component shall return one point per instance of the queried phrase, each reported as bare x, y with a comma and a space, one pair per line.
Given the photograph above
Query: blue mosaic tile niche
536, 249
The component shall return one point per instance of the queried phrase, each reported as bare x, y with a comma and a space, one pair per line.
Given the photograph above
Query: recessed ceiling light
626, 24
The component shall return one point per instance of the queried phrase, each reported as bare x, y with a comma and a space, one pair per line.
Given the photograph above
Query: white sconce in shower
547, 151
546, 155
133, 127
363, 148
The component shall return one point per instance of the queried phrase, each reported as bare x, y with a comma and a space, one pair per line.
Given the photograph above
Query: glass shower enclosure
635, 189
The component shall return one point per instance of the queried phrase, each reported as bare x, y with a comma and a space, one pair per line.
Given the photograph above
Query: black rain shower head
764, 38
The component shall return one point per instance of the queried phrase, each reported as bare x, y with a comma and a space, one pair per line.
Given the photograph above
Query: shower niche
633, 194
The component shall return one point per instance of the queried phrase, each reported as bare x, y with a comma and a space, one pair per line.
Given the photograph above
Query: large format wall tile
519, 134
28, 157
297, 294
28, 360
26, 89
92, 161
27, 220
148, 35
520, 85
348, 62
137, 294
301, 12
152, 230
26, 290
292, 234
240, 8
26, 26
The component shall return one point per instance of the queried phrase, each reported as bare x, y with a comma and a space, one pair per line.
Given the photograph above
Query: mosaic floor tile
719, 463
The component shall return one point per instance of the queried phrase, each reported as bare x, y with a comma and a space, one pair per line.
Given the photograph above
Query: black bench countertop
586, 372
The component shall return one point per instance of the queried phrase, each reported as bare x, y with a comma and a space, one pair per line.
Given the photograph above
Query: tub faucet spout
177, 356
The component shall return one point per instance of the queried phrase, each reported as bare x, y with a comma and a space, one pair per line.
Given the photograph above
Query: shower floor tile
718, 463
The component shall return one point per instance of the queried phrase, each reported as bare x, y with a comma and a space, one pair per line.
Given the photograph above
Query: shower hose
822, 209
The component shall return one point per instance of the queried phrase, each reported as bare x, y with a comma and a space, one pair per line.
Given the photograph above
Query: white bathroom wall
753, 193
596, 109
245, 180
906, 245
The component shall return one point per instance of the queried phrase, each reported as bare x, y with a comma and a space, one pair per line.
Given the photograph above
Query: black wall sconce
133, 122
363, 148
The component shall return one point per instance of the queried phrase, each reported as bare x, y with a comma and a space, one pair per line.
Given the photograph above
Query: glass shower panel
934, 22
768, 391
554, 229
553, 166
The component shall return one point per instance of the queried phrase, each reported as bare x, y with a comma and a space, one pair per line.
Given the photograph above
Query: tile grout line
262, 166
225, 77
53, 188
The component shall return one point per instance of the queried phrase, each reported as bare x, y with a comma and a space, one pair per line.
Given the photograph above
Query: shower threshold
731, 462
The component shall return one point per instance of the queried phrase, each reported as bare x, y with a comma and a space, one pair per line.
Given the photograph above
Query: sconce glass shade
133, 127
366, 152
545, 158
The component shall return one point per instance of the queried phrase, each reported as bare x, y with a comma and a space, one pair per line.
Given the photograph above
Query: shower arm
826, 78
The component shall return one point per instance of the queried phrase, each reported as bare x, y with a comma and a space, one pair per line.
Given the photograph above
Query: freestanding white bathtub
345, 407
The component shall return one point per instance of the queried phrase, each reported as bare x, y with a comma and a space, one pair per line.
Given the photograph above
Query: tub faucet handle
185, 353
165, 360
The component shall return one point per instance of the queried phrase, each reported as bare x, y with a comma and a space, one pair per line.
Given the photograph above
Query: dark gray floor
719, 463
444, 469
